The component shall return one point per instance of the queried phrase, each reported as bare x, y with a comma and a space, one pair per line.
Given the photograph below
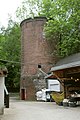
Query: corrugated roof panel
68, 62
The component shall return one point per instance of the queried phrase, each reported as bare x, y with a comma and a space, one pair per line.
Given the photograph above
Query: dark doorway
22, 94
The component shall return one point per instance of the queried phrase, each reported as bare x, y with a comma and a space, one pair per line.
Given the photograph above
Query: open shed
67, 71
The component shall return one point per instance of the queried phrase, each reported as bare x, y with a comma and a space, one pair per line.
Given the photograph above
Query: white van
43, 95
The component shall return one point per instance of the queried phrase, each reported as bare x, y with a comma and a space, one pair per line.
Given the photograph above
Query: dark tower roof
31, 19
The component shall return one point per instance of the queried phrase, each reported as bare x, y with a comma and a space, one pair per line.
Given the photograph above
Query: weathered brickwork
35, 51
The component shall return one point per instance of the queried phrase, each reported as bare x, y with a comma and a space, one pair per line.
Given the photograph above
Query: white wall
1, 95
54, 85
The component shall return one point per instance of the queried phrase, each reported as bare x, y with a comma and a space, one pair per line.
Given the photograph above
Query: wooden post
64, 90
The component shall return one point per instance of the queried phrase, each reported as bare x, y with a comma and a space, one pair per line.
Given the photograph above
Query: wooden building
67, 71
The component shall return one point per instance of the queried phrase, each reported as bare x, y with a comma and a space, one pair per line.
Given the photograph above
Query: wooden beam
65, 78
73, 70
59, 79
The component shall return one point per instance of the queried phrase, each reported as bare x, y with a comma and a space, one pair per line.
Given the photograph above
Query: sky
8, 7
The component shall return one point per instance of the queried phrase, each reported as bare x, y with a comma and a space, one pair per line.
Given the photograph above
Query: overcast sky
8, 7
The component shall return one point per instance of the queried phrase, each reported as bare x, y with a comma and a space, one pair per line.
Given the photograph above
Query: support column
64, 90
1, 95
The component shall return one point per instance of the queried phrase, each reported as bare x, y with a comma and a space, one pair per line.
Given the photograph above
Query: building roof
67, 62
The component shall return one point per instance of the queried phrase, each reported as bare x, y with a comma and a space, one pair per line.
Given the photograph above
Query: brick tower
34, 52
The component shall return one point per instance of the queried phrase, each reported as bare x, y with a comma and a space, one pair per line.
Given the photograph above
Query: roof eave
65, 66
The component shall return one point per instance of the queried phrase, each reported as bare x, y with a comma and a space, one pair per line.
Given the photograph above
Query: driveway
24, 110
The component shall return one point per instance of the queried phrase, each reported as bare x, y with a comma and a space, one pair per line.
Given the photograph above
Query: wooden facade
69, 76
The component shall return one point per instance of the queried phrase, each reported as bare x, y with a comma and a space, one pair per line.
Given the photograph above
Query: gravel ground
27, 110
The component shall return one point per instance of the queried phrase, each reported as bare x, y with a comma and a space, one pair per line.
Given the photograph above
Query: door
22, 94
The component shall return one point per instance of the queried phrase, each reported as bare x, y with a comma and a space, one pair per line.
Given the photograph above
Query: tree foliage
29, 8
63, 24
10, 49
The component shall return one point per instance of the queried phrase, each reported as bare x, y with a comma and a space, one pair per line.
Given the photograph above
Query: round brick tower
34, 52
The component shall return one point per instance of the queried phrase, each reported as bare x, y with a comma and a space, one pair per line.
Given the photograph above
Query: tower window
39, 66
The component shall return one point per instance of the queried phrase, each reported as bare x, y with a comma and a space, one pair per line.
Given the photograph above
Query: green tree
63, 24
29, 8
10, 52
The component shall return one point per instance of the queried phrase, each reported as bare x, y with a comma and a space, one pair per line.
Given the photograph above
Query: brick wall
35, 49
